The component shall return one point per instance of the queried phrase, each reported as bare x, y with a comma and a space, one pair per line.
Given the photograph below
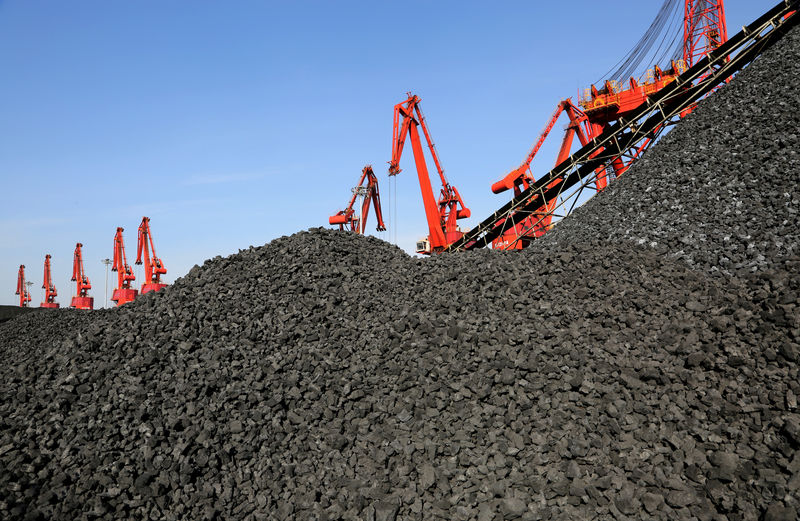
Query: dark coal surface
331, 376
9, 312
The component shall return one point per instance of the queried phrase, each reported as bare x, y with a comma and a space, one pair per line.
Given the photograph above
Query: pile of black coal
331, 376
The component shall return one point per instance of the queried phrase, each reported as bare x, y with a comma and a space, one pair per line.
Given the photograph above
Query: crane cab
424, 246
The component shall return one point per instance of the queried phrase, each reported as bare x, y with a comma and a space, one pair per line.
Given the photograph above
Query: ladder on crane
624, 138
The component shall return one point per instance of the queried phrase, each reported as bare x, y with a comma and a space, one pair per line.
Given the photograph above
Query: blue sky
232, 123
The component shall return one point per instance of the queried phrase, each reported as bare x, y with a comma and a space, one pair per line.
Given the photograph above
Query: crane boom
146, 253
358, 223
50, 292
81, 300
442, 215
22, 288
123, 292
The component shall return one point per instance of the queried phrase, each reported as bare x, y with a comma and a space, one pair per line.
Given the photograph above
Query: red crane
81, 300
704, 30
522, 177
124, 292
50, 292
153, 267
347, 219
22, 288
442, 215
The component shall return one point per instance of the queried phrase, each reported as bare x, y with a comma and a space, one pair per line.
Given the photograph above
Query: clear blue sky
232, 123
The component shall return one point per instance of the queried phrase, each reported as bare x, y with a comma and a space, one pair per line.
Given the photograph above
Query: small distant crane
153, 267
347, 219
124, 292
81, 300
22, 288
50, 292
442, 214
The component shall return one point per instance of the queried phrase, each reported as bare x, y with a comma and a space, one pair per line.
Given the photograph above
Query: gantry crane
22, 288
626, 137
153, 267
347, 218
81, 300
123, 292
442, 215
704, 31
50, 292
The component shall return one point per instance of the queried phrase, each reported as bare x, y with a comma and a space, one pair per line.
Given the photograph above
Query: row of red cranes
704, 30
123, 293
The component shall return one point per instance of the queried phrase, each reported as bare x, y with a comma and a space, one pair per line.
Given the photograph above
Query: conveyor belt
651, 117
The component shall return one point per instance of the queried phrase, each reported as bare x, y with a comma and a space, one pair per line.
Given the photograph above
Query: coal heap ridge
596, 375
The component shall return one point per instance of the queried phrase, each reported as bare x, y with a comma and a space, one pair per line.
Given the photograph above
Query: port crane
625, 137
704, 31
22, 288
81, 300
519, 179
347, 218
442, 214
124, 292
146, 253
50, 292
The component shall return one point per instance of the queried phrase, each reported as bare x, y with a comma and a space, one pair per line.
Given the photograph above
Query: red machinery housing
347, 219
442, 215
50, 292
153, 267
22, 288
704, 30
81, 300
123, 292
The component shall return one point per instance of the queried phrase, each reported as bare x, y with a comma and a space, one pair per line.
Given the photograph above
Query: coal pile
9, 312
331, 376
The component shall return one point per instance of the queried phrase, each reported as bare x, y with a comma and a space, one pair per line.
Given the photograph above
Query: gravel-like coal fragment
640, 362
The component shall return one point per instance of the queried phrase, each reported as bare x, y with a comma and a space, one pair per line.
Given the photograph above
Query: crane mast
50, 292
704, 29
347, 219
22, 288
81, 300
441, 214
123, 292
146, 253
